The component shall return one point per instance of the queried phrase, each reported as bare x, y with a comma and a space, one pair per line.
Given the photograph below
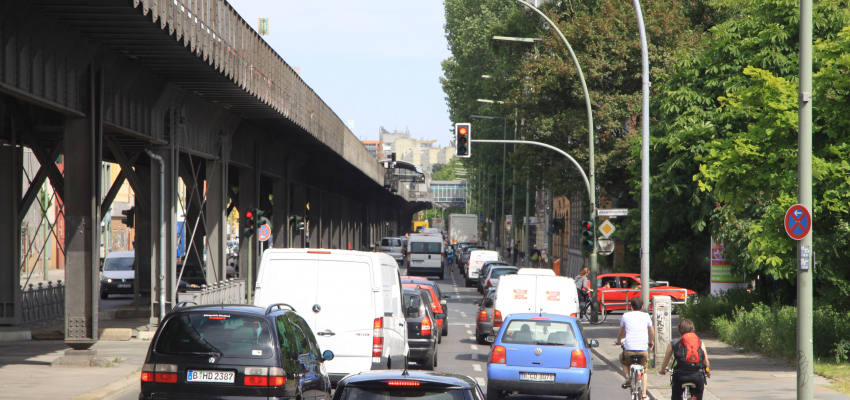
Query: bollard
662, 310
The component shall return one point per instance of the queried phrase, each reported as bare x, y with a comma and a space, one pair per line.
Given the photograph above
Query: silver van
394, 247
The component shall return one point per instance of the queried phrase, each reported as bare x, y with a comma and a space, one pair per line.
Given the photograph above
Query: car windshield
425, 247
213, 333
119, 264
539, 332
502, 271
377, 393
491, 294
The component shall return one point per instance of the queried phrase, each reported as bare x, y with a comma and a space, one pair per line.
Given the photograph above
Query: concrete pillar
314, 238
168, 184
11, 174
325, 212
298, 210
336, 222
82, 227
248, 199
142, 245
281, 207
216, 220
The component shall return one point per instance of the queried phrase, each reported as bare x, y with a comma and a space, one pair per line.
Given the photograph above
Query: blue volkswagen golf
540, 354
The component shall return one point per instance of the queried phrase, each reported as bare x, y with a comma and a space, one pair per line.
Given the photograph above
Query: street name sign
612, 212
607, 228
798, 222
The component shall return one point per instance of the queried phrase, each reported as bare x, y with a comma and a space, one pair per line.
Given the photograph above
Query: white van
351, 300
425, 255
476, 261
533, 291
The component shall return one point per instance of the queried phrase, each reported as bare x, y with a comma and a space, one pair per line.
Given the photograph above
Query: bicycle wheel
637, 385
601, 312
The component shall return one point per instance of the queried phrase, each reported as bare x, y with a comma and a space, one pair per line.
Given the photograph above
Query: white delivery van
533, 291
476, 261
351, 299
425, 254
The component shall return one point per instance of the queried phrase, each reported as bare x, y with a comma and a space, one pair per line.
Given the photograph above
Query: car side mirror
594, 343
443, 302
440, 316
445, 296
488, 303
327, 355
490, 339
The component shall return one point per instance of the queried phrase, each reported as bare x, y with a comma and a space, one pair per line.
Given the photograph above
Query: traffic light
463, 137
588, 240
556, 226
129, 217
249, 224
299, 222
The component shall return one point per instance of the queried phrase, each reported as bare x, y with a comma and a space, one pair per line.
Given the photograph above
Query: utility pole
805, 380
513, 195
527, 225
504, 160
550, 221
644, 161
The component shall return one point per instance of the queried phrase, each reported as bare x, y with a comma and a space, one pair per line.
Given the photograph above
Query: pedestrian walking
516, 251
536, 257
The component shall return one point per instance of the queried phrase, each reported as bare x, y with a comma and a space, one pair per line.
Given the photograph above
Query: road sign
605, 246
798, 222
607, 228
612, 212
264, 233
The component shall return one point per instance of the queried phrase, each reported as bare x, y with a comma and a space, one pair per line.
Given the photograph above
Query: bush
723, 305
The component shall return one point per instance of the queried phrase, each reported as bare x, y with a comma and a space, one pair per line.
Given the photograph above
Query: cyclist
636, 327
691, 359
450, 258
581, 284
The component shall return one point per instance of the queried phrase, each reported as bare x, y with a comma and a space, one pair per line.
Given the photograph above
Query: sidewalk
735, 374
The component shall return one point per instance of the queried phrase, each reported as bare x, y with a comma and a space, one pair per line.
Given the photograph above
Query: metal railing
43, 305
230, 291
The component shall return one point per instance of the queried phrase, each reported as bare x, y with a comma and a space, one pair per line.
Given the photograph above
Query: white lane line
468, 331
480, 381
463, 314
474, 347
476, 367
467, 325
472, 338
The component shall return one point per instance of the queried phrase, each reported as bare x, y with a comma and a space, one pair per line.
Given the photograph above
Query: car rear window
356, 393
119, 264
540, 333
204, 333
425, 247
502, 271
391, 242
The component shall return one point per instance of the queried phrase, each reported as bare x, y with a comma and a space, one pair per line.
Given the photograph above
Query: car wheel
439, 339
481, 339
431, 363
445, 330
586, 395
104, 295
492, 394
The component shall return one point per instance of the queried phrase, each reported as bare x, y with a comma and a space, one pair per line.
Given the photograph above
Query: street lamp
504, 156
517, 39
490, 101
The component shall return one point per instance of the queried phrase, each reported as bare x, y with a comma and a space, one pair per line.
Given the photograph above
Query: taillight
426, 326
277, 376
165, 373
574, 315
148, 372
403, 383
497, 318
482, 316
578, 360
378, 340
497, 355
256, 381
489, 283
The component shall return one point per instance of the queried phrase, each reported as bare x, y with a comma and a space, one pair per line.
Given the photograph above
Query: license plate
123, 285
417, 261
532, 376
210, 376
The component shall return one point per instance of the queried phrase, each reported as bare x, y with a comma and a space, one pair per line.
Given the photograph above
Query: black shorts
681, 377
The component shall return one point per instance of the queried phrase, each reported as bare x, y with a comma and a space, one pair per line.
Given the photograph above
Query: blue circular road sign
798, 222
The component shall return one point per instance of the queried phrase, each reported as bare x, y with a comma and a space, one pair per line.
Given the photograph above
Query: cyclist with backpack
691, 359
450, 258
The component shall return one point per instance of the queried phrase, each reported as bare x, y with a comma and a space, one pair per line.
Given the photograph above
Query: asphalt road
459, 353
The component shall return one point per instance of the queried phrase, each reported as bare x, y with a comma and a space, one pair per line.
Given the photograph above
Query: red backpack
689, 354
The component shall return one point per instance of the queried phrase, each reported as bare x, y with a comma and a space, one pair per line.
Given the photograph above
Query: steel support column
215, 209
336, 223
280, 212
314, 216
249, 198
11, 174
168, 184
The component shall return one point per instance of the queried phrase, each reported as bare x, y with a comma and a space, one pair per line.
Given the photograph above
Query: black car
406, 385
422, 332
234, 351
442, 297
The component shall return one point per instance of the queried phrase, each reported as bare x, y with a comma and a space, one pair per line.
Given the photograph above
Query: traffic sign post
805, 347
264, 233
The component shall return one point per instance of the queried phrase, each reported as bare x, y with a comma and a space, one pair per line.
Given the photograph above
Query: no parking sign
798, 222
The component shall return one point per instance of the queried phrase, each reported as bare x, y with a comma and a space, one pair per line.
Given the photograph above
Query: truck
417, 225
463, 228
438, 223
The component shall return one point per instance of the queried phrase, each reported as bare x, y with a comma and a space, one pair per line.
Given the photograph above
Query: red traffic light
587, 225
461, 130
249, 214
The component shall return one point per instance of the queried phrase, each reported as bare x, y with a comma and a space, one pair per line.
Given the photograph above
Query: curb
619, 368
112, 389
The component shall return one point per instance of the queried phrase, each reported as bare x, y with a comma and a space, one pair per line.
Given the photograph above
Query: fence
43, 305
230, 291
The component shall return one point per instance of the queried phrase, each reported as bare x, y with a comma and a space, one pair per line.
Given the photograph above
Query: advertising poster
722, 278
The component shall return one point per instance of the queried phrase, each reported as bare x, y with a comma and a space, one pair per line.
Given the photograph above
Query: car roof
447, 378
551, 317
503, 267
238, 308
121, 254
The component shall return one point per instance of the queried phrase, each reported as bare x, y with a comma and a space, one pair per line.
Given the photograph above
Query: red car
615, 290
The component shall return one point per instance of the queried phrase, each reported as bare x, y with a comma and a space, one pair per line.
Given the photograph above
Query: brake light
578, 359
277, 376
256, 381
165, 377
318, 252
489, 283
497, 355
497, 318
147, 372
147, 376
378, 340
574, 315
482, 316
426, 326
403, 383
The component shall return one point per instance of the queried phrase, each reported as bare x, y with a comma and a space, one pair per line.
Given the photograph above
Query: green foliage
446, 172
713, 306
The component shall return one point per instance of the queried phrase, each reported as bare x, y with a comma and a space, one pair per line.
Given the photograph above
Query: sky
374, 62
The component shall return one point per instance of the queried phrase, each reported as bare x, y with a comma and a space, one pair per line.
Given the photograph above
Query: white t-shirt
637, 334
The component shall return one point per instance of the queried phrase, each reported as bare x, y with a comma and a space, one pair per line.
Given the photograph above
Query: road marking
476, 367
474, 347
468, 331
480, 381
467, 325
472, 338
463, 314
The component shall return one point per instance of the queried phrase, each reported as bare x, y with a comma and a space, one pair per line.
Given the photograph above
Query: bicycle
686, 387
587, 311
636, 376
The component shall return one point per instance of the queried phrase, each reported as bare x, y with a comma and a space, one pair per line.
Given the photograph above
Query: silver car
394, 247
482, 317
